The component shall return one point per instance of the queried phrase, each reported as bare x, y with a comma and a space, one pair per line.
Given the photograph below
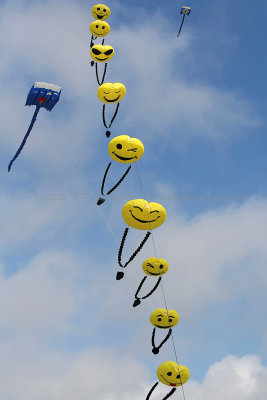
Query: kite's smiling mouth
99, 34
102, 59
101, 16
144, 222
123, 158
171, 384
112, 101
151, 273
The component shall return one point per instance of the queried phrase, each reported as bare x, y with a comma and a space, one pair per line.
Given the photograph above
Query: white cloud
28, 218
95, 373
233, 378
40, 300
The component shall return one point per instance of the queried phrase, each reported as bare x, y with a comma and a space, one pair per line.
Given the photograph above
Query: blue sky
198, 104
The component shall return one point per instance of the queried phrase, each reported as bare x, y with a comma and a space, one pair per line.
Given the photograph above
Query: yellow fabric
140, 214
155, 266
164, 319
101, 12
99, 28
111, 92
125, 149
172, 374
101, 53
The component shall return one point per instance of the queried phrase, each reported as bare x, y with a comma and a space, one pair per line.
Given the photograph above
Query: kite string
161, 283
87, 184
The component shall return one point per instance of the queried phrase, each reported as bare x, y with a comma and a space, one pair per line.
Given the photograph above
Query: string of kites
138, 213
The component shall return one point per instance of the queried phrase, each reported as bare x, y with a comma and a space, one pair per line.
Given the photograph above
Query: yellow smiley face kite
101, 12
140, 214
164, 319
155, 266
99, 28
125, 149
111, 92
101, 53
172, 374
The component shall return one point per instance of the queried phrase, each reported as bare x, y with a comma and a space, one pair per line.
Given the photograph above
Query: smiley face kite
170, 374
154, 267
110, 93
122, 149
101, 12
125, 149
102, 54
99, 28
139, 214
162, 319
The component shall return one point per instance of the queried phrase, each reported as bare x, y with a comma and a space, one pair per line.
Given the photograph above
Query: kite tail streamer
120, 181
139, 248
101, 200
25, 138
104, 179
151, 391
164, 398
138, 299
112, 120
104, 74
155, 349
92, 41
115, 115
181, 26
103, 116
151, 291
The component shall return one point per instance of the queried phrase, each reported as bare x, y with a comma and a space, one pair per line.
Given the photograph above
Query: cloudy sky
67, 327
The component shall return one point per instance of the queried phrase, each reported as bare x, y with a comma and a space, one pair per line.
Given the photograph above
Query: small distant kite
42, 95
184, 11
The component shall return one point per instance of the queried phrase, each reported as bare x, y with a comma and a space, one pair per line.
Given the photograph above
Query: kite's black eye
108, 52
169, 373
119, 146
96, 52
